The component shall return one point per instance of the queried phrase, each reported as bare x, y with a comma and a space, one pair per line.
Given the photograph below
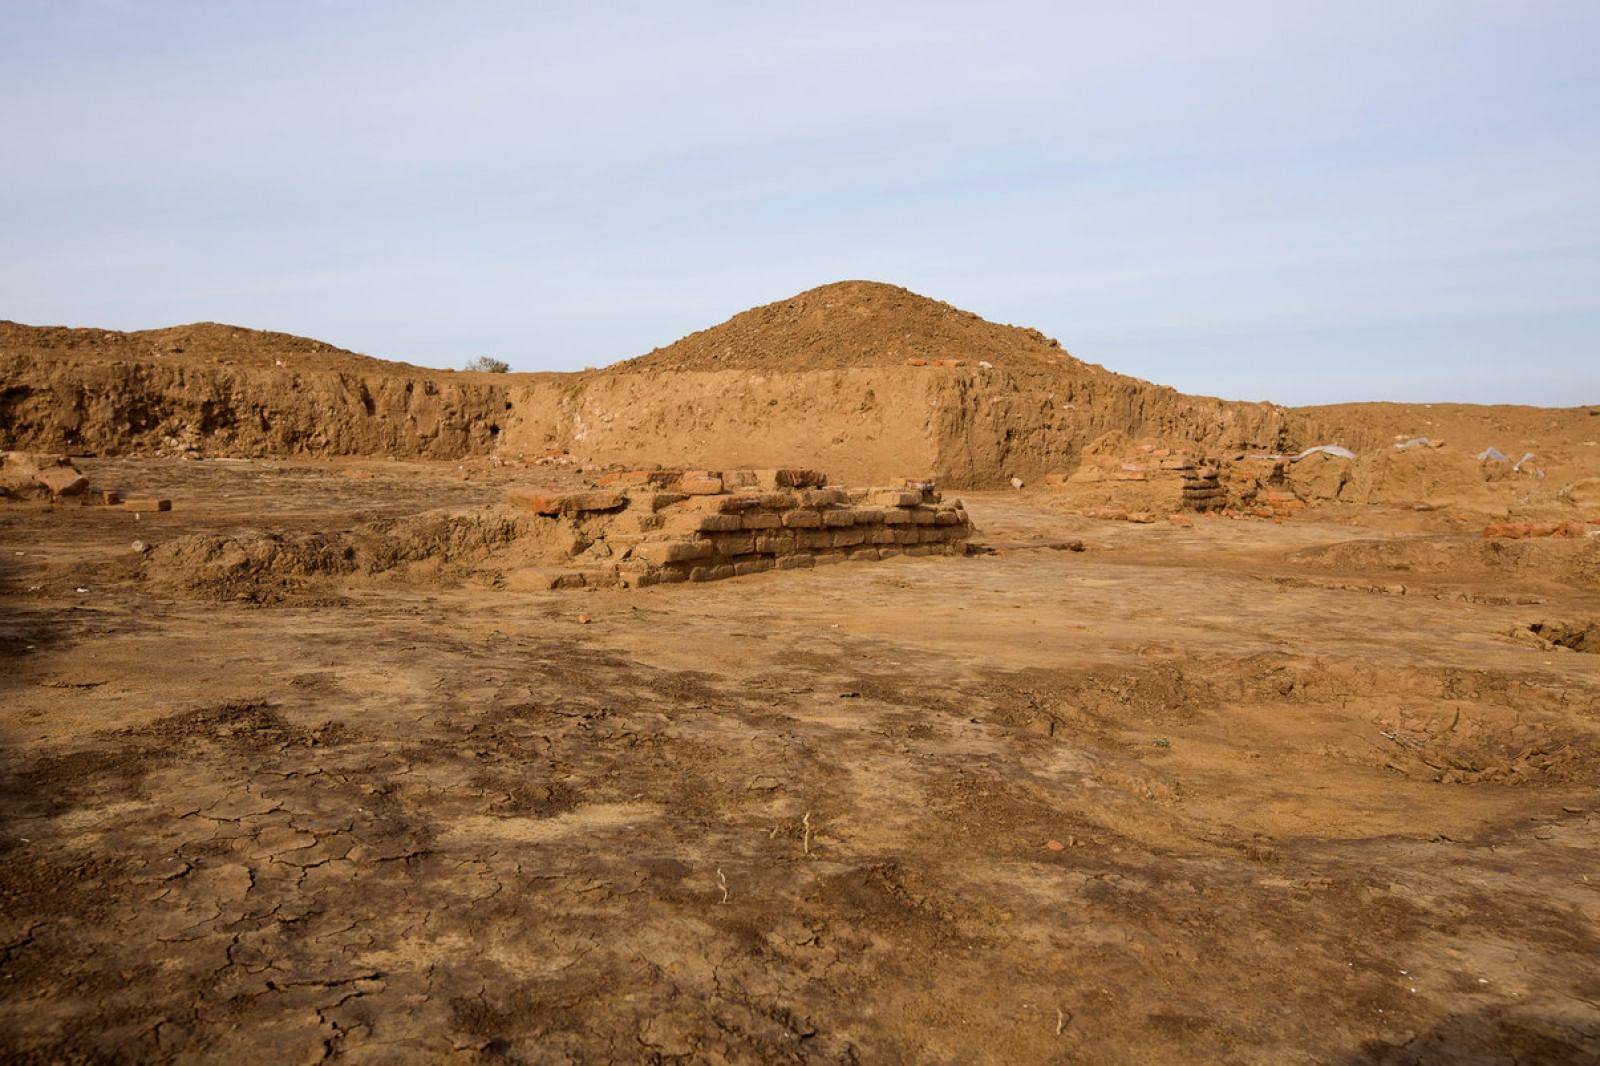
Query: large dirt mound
199, 343
855, 324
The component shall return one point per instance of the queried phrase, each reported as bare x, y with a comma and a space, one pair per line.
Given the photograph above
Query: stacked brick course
658, 527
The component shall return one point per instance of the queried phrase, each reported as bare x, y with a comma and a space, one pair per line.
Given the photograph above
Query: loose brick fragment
797, 478
621, 478
62, 480
699, 484
823, 498
545, 503
542, 578
551, 504
147, 503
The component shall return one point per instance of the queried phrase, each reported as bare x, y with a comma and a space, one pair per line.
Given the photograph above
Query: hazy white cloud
1306, 201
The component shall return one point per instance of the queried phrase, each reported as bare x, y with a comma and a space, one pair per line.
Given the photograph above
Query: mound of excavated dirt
855, 324
1417, 475
199, 343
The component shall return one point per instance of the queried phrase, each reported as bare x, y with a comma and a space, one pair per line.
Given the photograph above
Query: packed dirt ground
1318, 787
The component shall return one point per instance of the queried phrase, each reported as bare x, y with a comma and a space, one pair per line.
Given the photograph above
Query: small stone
1055, 845
584, 619
1016, 482
140, 547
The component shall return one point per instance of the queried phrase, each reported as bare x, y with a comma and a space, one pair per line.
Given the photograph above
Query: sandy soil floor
1169, 799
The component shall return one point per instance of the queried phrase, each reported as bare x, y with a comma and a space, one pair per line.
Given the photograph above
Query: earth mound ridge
850, 324
196, 343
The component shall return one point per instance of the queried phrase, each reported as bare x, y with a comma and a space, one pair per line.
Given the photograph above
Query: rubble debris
30, 474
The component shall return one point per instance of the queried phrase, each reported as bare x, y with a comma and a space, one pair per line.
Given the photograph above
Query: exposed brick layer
661, 527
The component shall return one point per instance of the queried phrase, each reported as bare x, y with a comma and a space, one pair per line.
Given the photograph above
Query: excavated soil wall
55, 403
965, 426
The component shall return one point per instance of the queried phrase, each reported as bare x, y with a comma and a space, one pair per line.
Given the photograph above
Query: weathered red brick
62, 480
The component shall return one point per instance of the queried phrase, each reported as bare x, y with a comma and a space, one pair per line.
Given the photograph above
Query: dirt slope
855, 324
195, 344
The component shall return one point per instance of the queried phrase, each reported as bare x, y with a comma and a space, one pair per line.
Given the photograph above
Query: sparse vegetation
486, 365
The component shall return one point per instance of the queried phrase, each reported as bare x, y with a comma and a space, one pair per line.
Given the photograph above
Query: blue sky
1303, 202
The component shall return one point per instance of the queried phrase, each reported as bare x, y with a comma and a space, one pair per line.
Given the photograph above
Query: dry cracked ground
1169, 799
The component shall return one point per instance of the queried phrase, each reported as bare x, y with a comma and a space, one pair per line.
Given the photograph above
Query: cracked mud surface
798, 816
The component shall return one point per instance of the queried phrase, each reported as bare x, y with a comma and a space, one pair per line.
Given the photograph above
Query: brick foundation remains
652, 527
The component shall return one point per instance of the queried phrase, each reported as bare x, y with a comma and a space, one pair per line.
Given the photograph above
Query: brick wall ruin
645, 528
